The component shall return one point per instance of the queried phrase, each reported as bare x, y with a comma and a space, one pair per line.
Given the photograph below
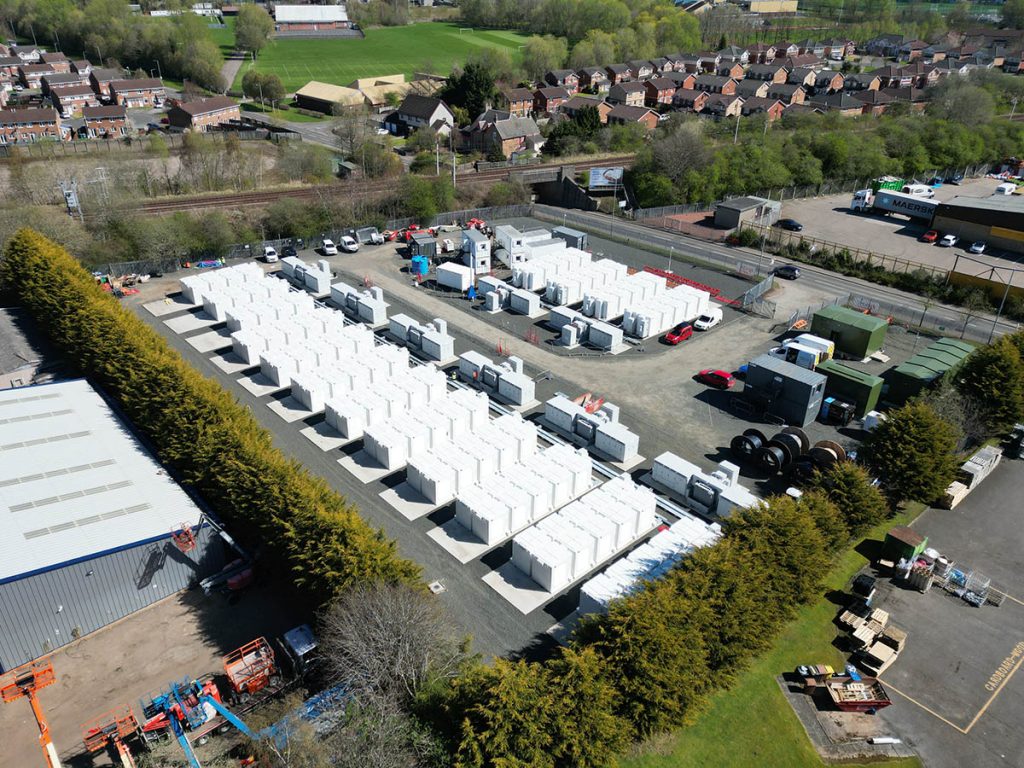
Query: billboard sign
605, 178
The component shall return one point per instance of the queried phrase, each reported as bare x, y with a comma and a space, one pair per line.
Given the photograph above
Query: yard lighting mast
23, 683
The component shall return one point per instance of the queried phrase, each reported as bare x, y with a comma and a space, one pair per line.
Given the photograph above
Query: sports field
432, 47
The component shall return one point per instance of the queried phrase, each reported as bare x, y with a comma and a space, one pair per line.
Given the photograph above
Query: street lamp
158, 72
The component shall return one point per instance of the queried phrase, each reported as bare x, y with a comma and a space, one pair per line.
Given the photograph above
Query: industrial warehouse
86, 534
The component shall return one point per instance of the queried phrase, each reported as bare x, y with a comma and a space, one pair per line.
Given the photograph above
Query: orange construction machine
24, 682
251, 668
112, 730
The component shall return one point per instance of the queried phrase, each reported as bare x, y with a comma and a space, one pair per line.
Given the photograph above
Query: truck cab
862, 200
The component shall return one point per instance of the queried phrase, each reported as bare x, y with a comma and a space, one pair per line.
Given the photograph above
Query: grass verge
752, 723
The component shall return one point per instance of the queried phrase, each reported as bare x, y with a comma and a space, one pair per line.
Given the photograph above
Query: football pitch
430, 47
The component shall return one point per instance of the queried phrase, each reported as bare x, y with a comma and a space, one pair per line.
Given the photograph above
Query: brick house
1013, 63
772, 73
572, 107
631, 94
516, 134
563, 78
58, 80
31, 75
812, 47
203, 114
828, 81
690, 63
709, 62
734, 70
659, 91
690, 100
640, 69
913, 49
735, 55
57, 60
838, 49
785, 49
843, 103
106, 122
143, 92
801, 60
802, 76
716, 84
101, 78
917, 98
762, 53
9, 66
787, 93
518, 101
875, 102
593, 79
862, 82
682, 79
749, 88
417, 112
25, 126
548, 100
722, 105
82, 67
663, 64
773, 108
892, 77
70, 101
618, 73
624, 114
29, 54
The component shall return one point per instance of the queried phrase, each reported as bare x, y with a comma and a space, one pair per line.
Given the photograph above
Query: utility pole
437, 155
736, 134
1013, 109
158, 72
999, 312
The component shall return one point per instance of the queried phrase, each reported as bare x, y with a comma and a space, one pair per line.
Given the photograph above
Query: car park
329, 248
790, 224
680, 333
348, 244
930, 236
787, 272
270, 254
977, 247
714, 377
948, 241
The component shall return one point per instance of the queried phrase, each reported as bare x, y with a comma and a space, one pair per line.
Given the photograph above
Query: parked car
329, 248
955, 179
289, 250
935, 181
680, 333
978, 247
948, 241
791, 224
930, 236
709, 319
787, 272
348, 244
269, 254
714, 377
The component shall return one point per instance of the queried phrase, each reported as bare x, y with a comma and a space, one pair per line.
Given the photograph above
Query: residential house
689, 100
659, 91
773, 108
828, 81
787, 93
82, 67
843, 103
139, 93
761, 53
734, 70
800, 60
682, 79
418, 111
885, 45
772, 73
106, 122
3, 97
813, 47
933, 54
57, 60
593, 79
716, 84
618, 73
563, 78
952, 67
9, 66
640, 69
473, 136
678, 61
785, 49
548, 100
924, 75
892, 77
722, 105
58, 80
912, 49
512, 136
917, 98
709, 62
875, 102
25, 126
803, 109
663, 64
31, 75
518, 101
1013, 63
838, 49
29, 54
802, 76
862, 82
204, 114
101, 79
749, 88
625, 114
70, 101
572, 107
631, 94
734, 55
690, 62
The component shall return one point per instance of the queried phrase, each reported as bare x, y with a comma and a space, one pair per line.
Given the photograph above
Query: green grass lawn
752, 724
432, 47
291, 115
225, 37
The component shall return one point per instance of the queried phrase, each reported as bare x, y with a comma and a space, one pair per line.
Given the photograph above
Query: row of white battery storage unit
431, 340
524, 493
317, 278
559, 259
567, 545
612, 301
506, 379
570, 286
601, 430
651, 317
367, 306
650, 561
513, 247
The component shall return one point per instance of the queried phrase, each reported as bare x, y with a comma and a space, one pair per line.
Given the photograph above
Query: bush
199, 431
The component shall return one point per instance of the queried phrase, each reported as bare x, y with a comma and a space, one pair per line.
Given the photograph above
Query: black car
955, 179
935, 181
791, 224
289, 250
787, 272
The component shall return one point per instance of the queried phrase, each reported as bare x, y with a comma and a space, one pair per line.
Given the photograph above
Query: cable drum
746, 446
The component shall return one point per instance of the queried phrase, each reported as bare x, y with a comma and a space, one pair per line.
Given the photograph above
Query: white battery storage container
617, 441
524, 302
455, 276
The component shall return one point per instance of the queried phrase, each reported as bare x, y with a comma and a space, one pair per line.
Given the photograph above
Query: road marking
927, 709
1018, 654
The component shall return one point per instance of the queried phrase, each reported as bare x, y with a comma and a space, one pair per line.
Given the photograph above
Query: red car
681, 332
930, 236
716, 378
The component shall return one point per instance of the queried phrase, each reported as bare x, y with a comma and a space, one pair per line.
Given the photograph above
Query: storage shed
925, 369
903, 542
852, 386
741, 210
784, 390
423, 244
86, 516
856, 335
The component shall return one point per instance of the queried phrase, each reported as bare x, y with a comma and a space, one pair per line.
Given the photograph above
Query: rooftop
1006, 203
310, 13
75, 483
742, 203
207, 106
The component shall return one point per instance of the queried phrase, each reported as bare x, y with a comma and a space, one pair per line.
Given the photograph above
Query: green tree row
207, 438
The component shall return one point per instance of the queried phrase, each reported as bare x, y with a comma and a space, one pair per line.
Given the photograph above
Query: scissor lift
113, 730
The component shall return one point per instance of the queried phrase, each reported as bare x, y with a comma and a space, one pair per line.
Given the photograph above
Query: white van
919, 190
1006, 189
329, 248
269, 254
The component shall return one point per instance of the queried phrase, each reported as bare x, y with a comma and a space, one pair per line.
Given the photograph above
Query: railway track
360, 188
